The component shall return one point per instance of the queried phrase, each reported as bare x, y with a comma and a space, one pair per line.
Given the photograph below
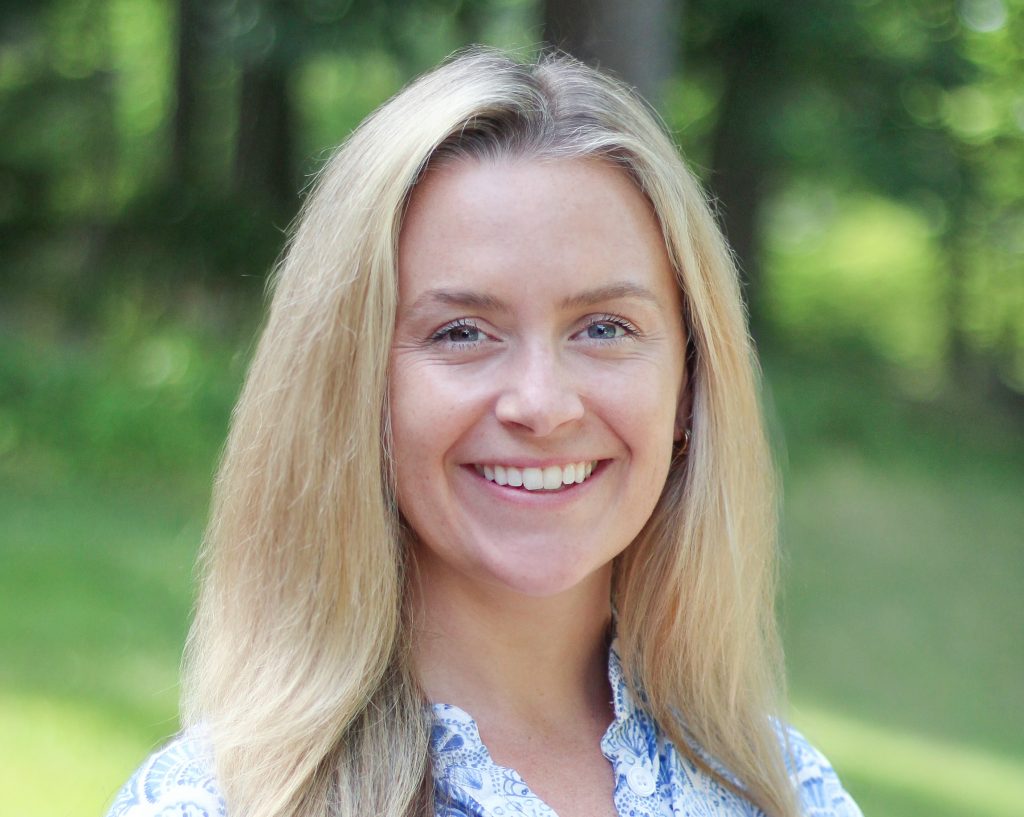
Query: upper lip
520, 462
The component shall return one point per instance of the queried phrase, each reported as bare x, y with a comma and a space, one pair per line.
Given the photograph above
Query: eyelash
461, 323
632, 331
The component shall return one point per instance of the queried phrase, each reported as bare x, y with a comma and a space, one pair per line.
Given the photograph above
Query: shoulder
818, 788
176, 780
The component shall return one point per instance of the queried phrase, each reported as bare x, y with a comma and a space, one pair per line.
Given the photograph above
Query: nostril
542, 411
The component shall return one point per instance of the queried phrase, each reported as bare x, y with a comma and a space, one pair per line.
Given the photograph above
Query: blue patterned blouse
651, 778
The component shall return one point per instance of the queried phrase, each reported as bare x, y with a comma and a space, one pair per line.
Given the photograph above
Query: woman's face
536, 371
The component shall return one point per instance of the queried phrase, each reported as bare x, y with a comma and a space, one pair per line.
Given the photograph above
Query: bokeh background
867, 157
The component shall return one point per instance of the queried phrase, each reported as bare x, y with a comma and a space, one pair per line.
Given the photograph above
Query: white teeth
550, 478
533, 479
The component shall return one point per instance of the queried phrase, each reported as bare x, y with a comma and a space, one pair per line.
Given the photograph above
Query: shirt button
640, 780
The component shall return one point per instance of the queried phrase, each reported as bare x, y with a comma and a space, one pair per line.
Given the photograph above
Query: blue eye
462, 334
459, 333
609, 327
605, 330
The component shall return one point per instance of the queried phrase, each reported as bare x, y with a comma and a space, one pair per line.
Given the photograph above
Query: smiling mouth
551, 478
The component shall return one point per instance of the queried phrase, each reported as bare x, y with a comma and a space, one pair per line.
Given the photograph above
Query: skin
539, 324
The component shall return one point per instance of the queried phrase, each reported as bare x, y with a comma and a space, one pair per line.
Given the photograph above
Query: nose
538, 393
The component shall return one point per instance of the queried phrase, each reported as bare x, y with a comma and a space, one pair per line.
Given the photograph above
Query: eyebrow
459, 297
611, 292
477, 300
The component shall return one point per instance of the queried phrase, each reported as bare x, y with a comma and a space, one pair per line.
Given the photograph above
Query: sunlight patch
977, 781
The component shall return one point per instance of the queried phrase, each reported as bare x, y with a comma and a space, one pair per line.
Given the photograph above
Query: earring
682, 442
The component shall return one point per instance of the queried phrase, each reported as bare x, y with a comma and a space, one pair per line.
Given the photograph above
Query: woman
495, 515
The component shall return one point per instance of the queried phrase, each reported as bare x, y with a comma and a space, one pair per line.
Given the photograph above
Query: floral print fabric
652, 779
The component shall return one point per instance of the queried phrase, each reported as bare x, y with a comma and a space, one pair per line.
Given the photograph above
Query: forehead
579, 222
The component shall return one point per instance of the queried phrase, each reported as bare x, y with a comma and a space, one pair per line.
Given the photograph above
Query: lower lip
520, 495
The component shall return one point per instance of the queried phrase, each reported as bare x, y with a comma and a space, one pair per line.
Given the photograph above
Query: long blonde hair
298, 660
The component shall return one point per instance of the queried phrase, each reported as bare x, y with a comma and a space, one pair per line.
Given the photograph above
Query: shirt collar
622, 699
455, 732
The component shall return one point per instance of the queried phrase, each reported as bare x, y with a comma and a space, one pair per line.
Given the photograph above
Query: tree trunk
263, 162
739, 160
638, 41
185, 161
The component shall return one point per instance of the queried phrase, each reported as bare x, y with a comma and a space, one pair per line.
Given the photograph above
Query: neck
540, 660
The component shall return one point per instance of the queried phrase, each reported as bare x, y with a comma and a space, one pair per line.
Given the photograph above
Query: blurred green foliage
162, 143
868, 156
139, 393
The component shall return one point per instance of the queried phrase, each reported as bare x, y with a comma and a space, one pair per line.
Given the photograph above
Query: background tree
867, 157
638, 41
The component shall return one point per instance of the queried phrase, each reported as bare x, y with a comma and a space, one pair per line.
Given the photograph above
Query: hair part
298, 662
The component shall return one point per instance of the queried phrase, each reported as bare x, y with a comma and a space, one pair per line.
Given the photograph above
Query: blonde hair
298, 660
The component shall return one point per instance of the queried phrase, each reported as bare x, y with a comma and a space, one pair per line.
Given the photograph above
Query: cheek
409, 417
415, 463
414, 412
429, 414
418, 402
642, 406
643, 415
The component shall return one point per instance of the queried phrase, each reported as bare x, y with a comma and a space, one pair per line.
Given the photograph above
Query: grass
902, 531
88, 749
95, 592
895, 772
903, 597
